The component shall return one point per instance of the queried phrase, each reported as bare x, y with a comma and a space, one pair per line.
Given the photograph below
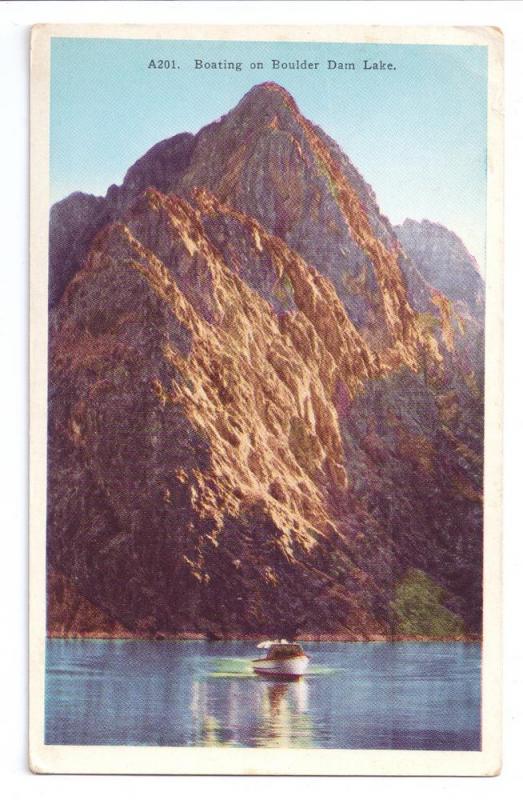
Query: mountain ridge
253, 417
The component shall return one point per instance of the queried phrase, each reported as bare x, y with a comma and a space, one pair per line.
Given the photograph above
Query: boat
283, 660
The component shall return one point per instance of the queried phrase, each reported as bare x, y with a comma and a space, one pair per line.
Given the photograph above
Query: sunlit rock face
265, 409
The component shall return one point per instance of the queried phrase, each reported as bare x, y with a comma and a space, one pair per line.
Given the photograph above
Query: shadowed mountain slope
254, 425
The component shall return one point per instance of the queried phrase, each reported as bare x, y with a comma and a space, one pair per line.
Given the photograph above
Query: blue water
400, 695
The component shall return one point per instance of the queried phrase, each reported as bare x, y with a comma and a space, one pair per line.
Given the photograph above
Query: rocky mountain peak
266, 97
255, 422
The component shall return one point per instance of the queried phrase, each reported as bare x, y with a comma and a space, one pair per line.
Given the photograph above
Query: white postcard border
249, 761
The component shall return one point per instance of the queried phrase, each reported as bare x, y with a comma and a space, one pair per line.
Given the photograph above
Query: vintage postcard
266, 269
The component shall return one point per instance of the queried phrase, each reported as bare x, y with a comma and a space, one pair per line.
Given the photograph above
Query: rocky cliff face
253, 426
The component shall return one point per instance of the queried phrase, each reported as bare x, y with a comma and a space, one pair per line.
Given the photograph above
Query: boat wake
242, 668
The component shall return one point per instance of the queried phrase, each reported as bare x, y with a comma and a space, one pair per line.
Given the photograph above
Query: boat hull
281, 668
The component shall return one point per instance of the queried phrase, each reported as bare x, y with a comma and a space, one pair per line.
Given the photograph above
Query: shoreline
189, 636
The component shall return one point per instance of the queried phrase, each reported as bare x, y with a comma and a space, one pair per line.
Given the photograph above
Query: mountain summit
265, 411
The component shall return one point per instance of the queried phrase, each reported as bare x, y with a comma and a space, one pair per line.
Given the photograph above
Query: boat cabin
282, 651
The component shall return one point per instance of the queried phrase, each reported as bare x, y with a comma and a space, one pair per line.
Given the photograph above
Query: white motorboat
283, 660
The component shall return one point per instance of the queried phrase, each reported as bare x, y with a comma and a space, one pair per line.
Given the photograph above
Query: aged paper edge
215, 761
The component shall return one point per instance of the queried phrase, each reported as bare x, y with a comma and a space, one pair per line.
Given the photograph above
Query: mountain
445, 263
265, 412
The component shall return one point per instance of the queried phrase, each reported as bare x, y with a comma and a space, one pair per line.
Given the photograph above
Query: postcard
266, 271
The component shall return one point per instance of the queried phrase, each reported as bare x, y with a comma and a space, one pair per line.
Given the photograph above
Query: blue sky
417, 133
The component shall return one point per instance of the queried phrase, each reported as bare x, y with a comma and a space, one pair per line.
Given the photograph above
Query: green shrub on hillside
418, 609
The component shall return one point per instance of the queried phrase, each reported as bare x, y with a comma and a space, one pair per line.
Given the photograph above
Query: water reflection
262, 713
283, 718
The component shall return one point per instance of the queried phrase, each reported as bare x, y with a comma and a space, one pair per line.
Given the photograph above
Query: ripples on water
402, 695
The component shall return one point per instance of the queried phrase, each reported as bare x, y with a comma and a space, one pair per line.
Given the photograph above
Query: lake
401, 695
